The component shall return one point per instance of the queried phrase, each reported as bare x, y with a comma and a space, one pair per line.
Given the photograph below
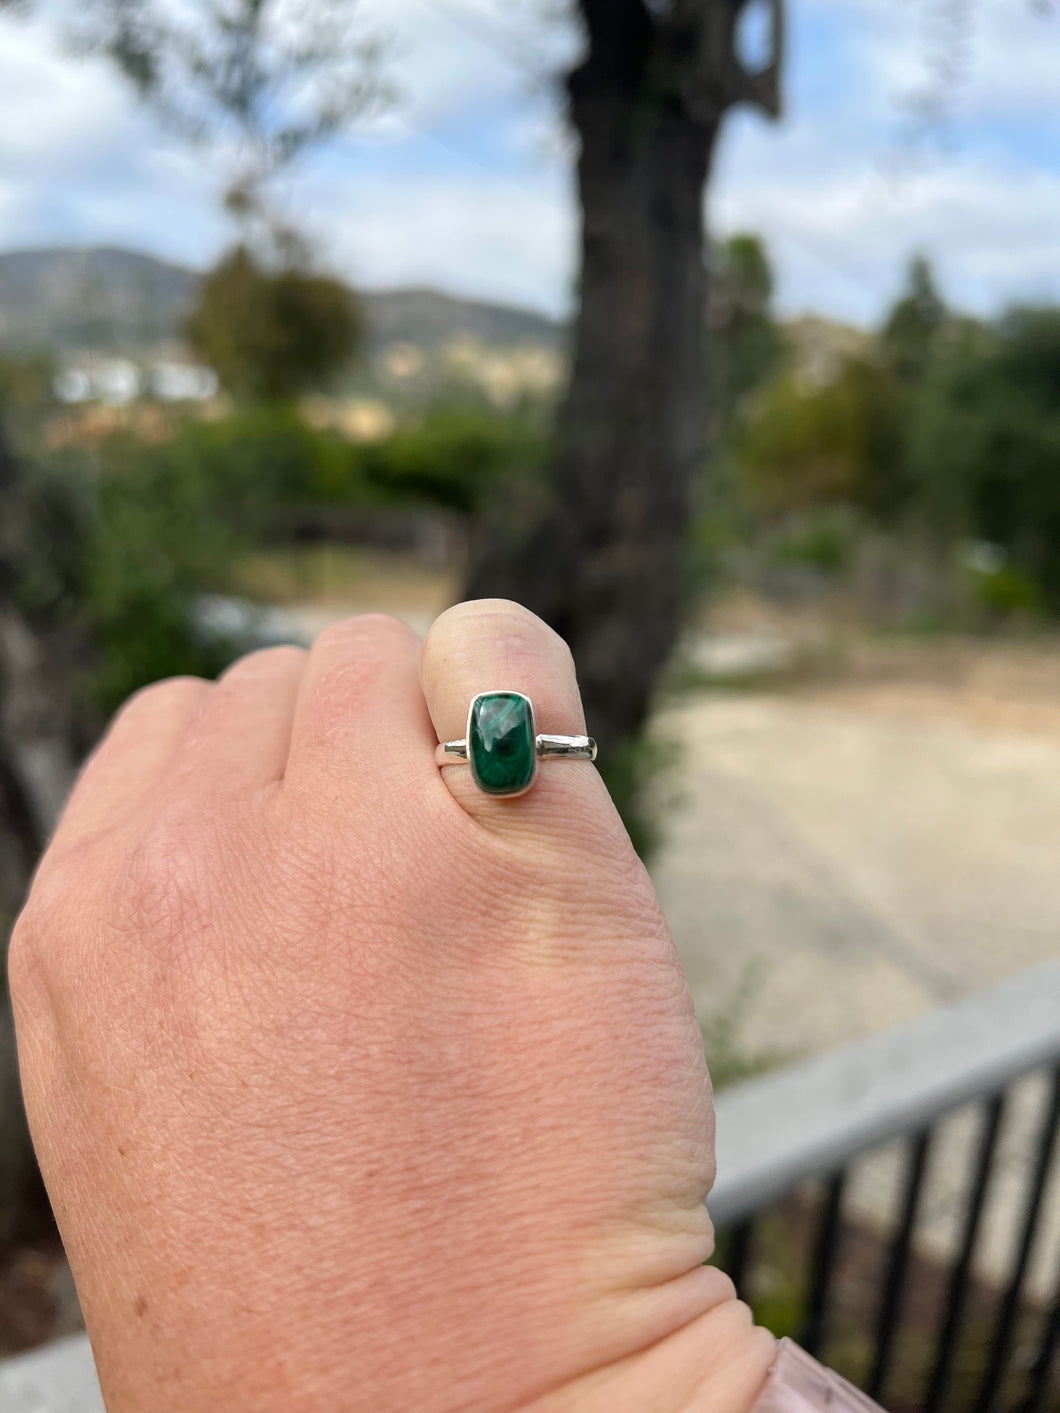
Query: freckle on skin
140, 1306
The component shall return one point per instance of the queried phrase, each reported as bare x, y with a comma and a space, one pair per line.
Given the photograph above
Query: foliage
909, 333
824, 540
264, 81
170, 522
985, 445
270, 335
141, 532
25, 383
454, 458
730, 1057
266, 458
1008, 593
944, 431
157, 543
745, 344
807, 445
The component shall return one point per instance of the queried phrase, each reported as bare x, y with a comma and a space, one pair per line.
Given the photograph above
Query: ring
502, 746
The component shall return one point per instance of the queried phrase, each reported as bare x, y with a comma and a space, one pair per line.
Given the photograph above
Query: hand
354, 1088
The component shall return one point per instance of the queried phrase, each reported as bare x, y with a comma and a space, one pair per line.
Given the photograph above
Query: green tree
454, 458
745, 345
271, 334
909, 332
985, 442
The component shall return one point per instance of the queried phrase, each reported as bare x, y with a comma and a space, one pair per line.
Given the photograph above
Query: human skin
355, 1089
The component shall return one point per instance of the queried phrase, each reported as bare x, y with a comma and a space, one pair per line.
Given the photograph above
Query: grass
730, 1058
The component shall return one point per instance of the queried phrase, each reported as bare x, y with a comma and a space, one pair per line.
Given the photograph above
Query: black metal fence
922, 1326
1004, 1382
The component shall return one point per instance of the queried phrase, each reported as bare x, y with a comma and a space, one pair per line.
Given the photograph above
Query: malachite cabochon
500, 743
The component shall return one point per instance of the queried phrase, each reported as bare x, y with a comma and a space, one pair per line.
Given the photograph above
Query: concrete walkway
850, 868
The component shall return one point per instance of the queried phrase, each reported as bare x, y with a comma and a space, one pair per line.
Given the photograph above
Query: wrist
716, 1364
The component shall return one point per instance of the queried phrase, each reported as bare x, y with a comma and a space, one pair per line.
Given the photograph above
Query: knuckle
525, 643
161, 887
368, 633
159, 698
351, 660
266, 662
51, 916
26, 951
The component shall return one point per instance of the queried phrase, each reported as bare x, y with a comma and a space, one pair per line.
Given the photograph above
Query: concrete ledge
811, 1119
61, 1378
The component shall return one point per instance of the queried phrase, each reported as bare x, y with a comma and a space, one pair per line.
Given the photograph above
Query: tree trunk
604, 566
603, 559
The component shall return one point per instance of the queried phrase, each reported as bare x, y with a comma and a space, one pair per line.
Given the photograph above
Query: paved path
855, 868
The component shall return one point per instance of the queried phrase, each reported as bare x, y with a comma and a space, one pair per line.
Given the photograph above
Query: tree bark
602, 559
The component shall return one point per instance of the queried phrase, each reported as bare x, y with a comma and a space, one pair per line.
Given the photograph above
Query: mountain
56, 300
121, 300
430, 320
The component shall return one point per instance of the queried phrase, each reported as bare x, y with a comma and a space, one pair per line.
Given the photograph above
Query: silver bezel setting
502, 692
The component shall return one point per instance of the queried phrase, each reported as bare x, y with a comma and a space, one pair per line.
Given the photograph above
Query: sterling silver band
548, 748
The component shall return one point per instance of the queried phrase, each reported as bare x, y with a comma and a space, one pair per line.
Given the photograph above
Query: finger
361, 728
241, 737
494, 645
136, 752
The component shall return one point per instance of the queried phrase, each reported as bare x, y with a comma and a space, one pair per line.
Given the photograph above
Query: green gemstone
501, 745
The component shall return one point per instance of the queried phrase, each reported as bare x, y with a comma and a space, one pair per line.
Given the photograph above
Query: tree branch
763, 88
719, 79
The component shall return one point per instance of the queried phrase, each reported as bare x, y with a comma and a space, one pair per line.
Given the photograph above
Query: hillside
57, 300
109, 299
431, 320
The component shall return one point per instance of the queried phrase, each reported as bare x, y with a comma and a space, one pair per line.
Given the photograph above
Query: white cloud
469, 233
81, 162
50, 104
458, 188
449, 57
991, 230
844, 202
1013, 53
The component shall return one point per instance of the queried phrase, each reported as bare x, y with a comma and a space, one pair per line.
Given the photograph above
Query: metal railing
824, 1119
818, 1123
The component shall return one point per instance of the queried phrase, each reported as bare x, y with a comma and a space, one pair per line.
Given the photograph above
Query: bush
808, 446
172, 521
158, 540
825, 541
454, 458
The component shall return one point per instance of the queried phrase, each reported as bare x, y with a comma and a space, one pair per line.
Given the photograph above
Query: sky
466, 183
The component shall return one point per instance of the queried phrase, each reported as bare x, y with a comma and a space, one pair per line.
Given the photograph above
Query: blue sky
466, 184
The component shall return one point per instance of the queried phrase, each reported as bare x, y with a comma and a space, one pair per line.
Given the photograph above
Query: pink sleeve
798, 1384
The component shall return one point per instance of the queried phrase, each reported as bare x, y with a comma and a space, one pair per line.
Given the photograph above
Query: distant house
119, 381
